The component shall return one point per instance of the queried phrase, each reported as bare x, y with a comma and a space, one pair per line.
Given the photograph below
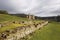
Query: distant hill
53, 18
19, 15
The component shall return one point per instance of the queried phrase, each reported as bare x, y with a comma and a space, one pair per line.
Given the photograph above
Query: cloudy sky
34, 7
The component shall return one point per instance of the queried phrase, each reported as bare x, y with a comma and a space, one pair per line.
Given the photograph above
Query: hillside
6, 22
49, 32
7, 17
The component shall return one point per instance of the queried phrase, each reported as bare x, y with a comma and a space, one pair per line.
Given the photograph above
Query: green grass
4, 18
49, 32
10, 27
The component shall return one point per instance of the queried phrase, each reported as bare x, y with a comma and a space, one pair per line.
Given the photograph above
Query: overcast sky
35, 7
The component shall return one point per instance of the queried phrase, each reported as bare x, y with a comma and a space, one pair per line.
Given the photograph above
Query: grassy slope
5, 18
49, 32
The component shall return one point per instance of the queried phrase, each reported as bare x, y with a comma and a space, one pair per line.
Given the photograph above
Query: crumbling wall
21, 32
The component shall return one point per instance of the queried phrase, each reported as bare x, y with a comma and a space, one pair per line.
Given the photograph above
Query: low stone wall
21, 32
6, 23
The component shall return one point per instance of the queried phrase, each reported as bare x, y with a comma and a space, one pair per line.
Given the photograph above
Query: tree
3, 12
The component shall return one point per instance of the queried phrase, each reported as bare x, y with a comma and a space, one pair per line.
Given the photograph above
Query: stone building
31, 17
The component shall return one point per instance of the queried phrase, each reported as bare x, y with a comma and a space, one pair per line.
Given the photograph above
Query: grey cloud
35, 7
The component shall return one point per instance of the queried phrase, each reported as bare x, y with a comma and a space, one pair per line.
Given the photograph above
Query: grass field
4, 18
49, 32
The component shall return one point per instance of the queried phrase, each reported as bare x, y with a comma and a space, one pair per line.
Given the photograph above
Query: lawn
49, 32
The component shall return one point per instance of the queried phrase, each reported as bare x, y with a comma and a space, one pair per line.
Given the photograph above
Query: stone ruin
31, 17
5, 24
21, 32
11, 22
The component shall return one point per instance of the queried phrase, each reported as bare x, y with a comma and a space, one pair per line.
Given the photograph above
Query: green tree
3, 12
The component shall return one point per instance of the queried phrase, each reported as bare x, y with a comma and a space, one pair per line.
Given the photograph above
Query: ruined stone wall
9, 22
31, 17
21, 32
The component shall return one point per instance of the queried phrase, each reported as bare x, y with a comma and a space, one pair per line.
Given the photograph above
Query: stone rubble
21, 32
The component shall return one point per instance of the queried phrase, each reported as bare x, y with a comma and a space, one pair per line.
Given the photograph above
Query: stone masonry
21, 32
